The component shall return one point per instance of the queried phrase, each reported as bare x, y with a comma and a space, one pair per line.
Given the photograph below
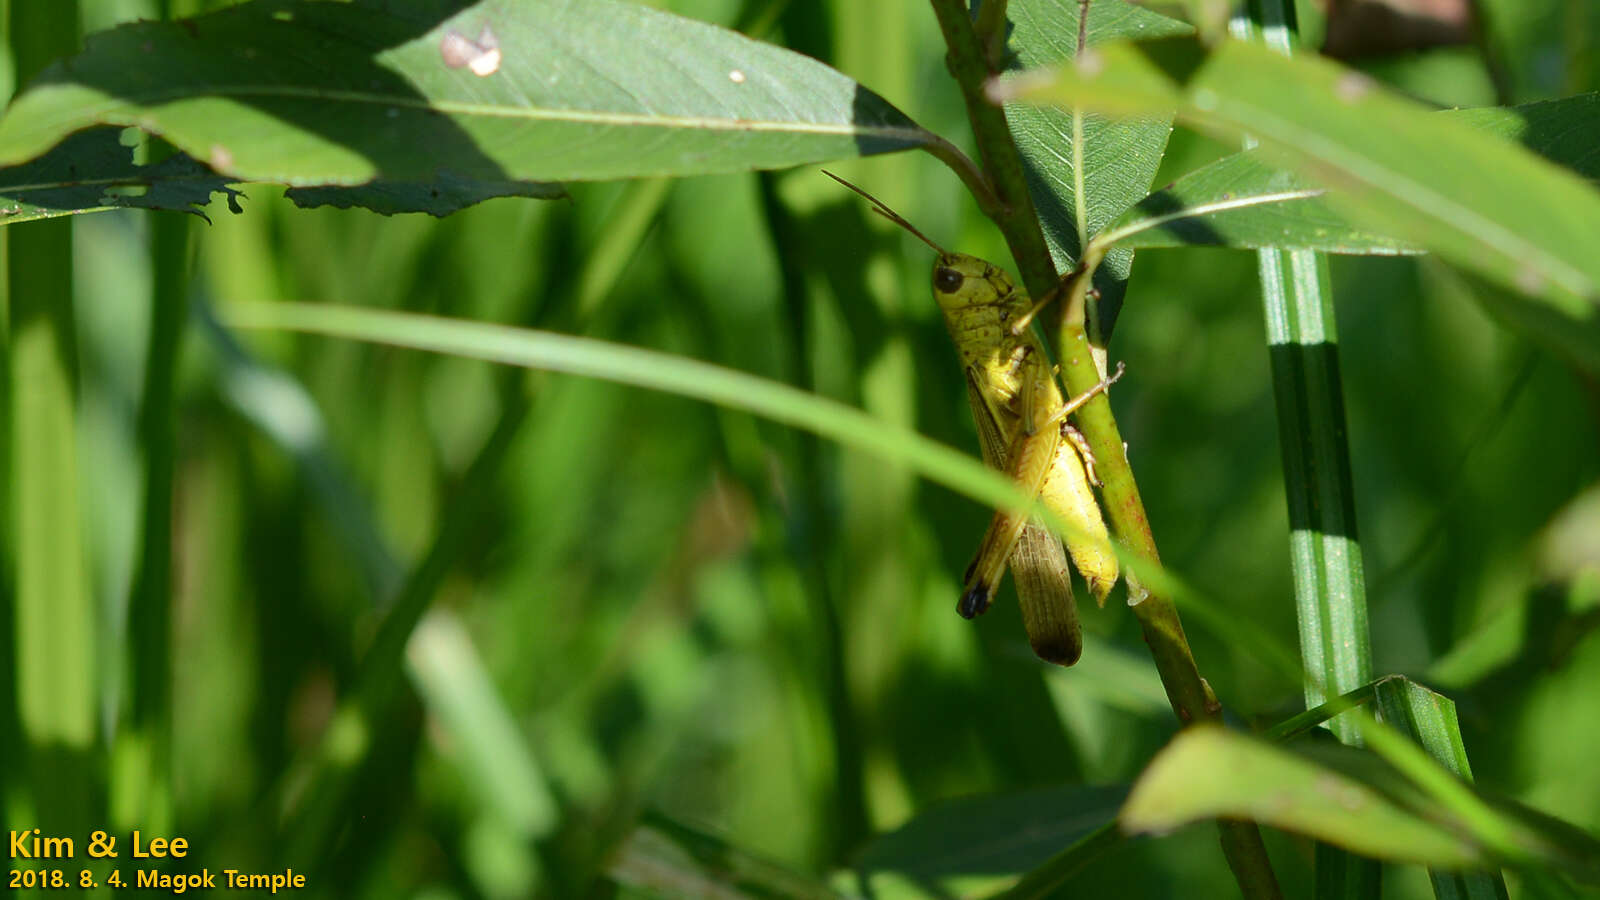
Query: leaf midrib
455, 107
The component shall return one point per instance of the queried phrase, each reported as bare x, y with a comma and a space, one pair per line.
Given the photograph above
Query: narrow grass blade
1324, 550
55, 621
1430, 719
143, 794
643, 368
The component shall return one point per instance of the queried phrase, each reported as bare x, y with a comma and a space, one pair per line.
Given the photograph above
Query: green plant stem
991, 28
1013, 210
55, 683
1192, 701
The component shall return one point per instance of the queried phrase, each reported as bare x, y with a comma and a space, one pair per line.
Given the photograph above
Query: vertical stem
1191, 699
1325, 554
55, 617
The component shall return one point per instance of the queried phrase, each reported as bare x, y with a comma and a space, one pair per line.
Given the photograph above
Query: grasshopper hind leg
975, 600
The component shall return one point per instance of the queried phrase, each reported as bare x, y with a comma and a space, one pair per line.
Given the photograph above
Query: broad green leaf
93, 170
316, 93
670, 859
1477, 200
1209, 16
1119, 156
973, 844
1208, 772
1242, 201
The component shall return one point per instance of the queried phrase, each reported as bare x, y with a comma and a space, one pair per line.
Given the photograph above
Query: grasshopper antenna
882, 209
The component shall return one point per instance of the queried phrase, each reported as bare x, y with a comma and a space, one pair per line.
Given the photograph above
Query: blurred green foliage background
661, 607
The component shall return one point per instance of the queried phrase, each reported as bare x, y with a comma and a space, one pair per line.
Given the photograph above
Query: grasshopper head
961, 281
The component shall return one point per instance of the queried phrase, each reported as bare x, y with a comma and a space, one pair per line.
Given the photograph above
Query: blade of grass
55, 620
142, 794
642, 368
1430, 719
1325, 553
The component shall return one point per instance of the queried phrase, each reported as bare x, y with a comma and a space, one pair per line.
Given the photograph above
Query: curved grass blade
738, 390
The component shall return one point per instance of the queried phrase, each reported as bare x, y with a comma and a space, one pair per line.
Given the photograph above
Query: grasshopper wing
1038, 562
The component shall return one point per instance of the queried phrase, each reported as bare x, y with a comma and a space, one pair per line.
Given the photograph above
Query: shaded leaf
310, 93
94, 170
670, 859
973, 843
441, 196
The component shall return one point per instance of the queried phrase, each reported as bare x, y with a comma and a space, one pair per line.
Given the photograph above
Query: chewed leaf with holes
440, 196
93, 171
309, 93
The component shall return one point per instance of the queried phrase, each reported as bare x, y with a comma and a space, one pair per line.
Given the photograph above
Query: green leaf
310, 93
971, 845
1208, 772
1351, 798
1430, 719
670, 859
1119, 155
93, 171
441, 196
1477, 200
1242, 201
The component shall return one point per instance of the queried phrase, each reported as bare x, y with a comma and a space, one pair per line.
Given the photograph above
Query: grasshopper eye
946, 281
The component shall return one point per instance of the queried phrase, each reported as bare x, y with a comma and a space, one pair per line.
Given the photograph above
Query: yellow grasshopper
1023, 429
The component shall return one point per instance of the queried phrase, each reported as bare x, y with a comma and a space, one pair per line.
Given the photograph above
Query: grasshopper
1022, 426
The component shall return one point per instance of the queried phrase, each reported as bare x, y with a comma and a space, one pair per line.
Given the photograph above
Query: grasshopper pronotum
1022, 426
